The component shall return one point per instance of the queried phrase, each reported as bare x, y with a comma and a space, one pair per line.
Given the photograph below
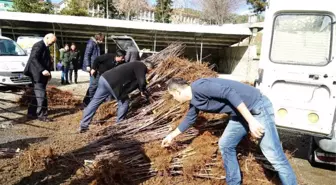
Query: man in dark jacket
92, 51
250, 112
100, 65
38, 69
132, 53
118, 82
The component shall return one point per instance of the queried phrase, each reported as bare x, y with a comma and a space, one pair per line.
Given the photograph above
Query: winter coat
39, 60
74, 59
92, 51
65, 57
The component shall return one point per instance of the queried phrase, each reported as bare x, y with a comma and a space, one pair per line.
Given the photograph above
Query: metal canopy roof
146, 34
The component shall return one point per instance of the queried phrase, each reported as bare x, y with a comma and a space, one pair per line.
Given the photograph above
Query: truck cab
13, 60
297, 71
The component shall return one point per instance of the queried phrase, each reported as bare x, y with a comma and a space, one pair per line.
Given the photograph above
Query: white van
298, 70
13, 60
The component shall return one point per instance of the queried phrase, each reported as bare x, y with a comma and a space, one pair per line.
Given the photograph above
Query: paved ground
306, 174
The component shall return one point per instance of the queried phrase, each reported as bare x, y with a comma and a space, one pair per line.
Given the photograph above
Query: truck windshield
10, 48
301, 39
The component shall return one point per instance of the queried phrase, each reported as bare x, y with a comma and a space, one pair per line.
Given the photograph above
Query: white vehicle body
13, 60
297, 68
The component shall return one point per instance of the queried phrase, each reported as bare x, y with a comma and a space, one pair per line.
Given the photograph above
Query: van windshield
10, 48
301, 39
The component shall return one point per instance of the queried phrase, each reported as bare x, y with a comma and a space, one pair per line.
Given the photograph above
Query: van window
301, 39
10, 48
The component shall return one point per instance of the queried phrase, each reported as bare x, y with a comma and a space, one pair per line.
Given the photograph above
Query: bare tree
218, 11
129, 7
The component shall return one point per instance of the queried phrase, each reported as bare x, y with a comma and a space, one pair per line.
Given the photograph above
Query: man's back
104, 63
222, 95
132, 54
39, 60
125, 78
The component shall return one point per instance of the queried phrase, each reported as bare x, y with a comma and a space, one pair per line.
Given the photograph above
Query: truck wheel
311, 155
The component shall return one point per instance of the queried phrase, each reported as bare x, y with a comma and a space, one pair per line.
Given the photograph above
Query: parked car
13, 60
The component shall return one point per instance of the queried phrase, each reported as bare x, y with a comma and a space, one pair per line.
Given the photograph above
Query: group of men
113, 78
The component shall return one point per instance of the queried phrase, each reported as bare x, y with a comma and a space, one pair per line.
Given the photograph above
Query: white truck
298, 71
13, 60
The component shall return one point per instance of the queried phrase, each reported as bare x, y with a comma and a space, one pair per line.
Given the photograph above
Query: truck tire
311, 155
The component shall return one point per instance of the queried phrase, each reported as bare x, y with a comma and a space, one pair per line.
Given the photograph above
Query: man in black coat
118, 82
38, 69
101, 64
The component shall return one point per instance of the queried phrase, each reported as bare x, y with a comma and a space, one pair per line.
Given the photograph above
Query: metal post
55, 58
155, 42
106, 48
196, 50
13, 34
201, 55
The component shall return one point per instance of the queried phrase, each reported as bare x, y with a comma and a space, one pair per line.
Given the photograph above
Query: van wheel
311, 155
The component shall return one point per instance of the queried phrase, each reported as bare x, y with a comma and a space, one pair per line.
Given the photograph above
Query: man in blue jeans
117, 82
249, 110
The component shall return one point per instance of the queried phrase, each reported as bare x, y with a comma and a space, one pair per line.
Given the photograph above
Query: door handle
314, 77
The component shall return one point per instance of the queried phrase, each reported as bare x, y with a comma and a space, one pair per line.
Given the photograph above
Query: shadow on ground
62, 168
22, 143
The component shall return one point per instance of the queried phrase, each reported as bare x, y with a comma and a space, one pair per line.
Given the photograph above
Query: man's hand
46, 73
93, 72
167, 141
257, 129
88, 69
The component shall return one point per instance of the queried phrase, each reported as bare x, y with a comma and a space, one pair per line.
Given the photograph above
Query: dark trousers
38, 106
103, 92
91, 90
75, 72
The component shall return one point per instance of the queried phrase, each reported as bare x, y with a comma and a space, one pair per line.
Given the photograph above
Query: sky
243, 9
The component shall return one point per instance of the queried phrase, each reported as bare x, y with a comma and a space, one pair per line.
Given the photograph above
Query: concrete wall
240, 62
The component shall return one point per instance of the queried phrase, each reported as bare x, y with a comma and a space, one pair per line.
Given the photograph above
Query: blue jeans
91, 90
65, 74
91, 78
103, 91
269, 144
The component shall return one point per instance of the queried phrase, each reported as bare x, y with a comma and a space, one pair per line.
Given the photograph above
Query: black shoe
83, 130
67, 83
45, 119
83, 106
31, 117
